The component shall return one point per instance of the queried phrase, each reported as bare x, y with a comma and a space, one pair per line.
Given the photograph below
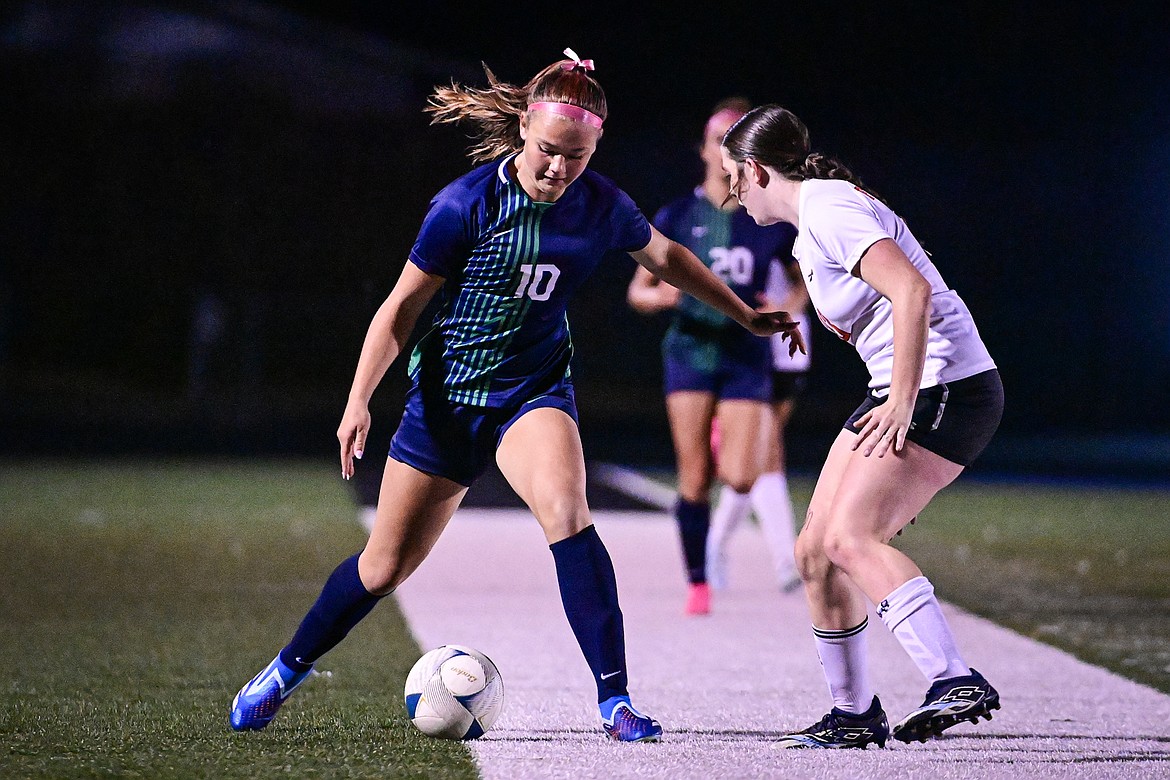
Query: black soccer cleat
947, 703
840, 729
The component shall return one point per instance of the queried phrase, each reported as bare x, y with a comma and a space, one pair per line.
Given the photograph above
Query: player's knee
739, 482
382, 573
842, 547
811, 561
562, 518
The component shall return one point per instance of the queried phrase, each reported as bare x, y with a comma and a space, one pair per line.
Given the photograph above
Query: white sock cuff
728, 494
772, 476
771, 489
905, 600
834, 636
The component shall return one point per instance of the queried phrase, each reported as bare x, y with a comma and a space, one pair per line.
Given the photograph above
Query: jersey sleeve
444, 238
844, 224
631, 228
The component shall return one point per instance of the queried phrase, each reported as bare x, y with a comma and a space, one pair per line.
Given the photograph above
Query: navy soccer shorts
724, 373
458, 441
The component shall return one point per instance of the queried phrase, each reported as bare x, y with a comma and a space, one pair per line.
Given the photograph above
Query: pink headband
570, 111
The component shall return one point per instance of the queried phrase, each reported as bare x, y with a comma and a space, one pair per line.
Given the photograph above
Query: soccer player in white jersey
935, 400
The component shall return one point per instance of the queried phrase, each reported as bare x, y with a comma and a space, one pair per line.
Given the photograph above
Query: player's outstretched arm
388, 333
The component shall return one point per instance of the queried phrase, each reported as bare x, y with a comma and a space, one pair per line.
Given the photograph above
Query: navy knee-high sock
343, 602
694, 519
589, 593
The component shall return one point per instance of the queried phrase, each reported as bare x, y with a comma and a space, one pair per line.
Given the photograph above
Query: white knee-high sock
727, 514
845, 660
773, 507
913, 614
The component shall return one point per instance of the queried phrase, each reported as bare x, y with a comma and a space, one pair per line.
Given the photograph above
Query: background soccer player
715, 370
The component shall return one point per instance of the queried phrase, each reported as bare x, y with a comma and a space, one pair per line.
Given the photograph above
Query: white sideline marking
634, 484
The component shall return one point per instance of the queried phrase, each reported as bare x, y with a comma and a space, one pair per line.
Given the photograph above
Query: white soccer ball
454, 692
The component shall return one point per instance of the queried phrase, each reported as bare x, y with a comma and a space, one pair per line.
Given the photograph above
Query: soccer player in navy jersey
505, 246
935, 400
715, 372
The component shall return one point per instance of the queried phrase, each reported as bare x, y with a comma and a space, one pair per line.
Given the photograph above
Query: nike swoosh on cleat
257, 685
611, 674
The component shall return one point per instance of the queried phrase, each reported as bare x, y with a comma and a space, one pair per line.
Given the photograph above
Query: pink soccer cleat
698, 599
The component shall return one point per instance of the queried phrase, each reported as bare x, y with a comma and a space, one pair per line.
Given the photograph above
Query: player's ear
758, 172
524, 126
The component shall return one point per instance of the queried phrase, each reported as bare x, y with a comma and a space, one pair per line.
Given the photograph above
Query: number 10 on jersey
537, 281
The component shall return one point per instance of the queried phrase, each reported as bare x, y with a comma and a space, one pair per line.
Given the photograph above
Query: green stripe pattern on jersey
485, 317
718, 234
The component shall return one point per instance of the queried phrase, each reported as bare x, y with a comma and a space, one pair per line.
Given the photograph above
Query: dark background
204, 203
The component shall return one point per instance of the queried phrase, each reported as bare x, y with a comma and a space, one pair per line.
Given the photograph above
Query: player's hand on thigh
883, 428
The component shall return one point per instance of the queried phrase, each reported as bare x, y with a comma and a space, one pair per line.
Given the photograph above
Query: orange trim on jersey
844, 335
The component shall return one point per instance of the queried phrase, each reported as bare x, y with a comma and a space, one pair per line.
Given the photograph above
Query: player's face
710, 152
745, 191
556, 151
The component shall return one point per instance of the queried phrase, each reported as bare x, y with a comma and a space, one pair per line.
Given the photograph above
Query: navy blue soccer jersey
730, 243
739, 252
511, 264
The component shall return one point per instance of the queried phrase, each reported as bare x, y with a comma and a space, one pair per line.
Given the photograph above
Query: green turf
1085, 569
136, 598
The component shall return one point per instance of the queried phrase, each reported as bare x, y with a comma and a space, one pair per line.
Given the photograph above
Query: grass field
136, 597
1086, 569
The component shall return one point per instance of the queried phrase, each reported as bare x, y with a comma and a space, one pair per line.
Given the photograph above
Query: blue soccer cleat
628, 725
840, 729
257, 702
948, 702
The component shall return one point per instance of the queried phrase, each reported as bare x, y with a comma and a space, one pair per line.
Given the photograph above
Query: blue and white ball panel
453, 692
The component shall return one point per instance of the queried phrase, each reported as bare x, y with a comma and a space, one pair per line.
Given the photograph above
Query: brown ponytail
493, 114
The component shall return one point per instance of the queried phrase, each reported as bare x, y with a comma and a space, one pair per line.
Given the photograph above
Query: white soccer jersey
838, 222
777, 289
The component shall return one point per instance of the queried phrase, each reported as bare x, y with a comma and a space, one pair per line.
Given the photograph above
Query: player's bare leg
740, 457
859, 504
690, 413
413, 510
540, 455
